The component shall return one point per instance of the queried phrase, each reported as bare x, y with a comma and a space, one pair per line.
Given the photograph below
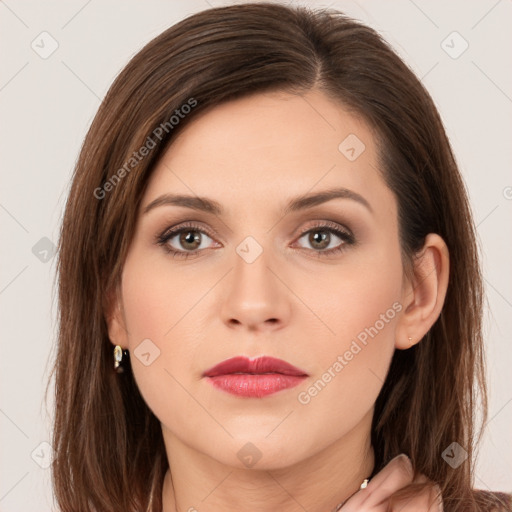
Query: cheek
162, 307
359, 294
359, 308
158, 299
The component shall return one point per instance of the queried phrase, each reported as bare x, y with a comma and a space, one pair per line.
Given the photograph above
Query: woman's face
262, 279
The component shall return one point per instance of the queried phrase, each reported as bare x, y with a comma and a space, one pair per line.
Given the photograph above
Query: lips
259, 366
254, 378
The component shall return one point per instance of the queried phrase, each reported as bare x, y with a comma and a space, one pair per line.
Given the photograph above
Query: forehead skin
269, 154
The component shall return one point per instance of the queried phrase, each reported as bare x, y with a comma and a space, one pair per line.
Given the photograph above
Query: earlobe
423, 299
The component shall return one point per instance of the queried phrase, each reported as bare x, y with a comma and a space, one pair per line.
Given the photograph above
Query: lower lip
255, 386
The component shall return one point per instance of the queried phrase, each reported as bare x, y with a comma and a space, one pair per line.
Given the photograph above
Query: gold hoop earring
120, 359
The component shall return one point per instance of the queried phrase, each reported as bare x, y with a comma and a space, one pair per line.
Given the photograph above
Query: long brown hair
108, 447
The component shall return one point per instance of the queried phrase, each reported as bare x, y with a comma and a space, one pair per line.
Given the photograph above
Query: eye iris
314, 239
189, 237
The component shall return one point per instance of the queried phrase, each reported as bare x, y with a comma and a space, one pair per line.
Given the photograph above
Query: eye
322, 241
184, 241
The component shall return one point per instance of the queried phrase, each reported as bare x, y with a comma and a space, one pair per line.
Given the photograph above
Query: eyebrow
302, 202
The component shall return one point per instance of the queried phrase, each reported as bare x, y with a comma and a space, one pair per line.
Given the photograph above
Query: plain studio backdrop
59, 58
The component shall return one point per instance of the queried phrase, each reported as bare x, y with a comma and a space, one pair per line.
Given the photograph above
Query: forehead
265, 148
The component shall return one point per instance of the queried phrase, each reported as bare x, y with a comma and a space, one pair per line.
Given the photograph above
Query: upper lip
260, 365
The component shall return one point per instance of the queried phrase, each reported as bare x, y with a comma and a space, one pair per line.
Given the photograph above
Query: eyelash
163, 239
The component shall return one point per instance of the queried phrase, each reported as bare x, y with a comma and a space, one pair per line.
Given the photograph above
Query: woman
268, 239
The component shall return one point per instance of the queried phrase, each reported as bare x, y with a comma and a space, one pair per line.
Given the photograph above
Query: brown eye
319, 239
184, 241
190, 239
187, 240
324, 238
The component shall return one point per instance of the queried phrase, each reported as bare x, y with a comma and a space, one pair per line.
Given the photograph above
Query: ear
423, 298
114, 316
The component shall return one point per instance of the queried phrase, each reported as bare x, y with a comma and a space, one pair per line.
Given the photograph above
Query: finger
434, 499
399, 470
438, 499
397, 474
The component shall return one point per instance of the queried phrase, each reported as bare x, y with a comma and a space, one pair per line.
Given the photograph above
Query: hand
396, 474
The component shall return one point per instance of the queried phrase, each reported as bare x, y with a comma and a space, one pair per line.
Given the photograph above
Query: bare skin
292, 302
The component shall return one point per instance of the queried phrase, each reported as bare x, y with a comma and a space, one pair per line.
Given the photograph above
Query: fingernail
405, 458
402, 455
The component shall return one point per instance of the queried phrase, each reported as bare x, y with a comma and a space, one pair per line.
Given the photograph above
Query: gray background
47, 104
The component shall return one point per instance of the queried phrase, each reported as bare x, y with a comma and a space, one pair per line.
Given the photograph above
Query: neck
196, 481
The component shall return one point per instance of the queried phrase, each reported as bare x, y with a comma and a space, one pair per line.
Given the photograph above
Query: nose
256, 298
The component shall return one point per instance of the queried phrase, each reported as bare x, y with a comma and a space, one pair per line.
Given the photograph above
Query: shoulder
493, 501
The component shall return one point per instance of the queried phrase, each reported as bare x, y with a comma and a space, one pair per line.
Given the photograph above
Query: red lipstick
254, 378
